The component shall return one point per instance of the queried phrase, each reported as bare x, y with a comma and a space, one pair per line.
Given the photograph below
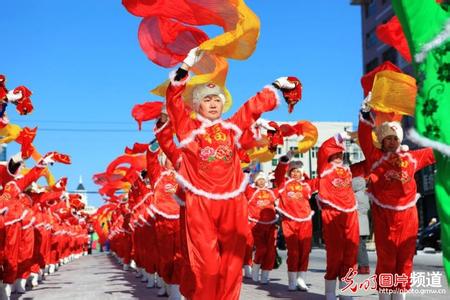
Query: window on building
390, 55
401, 62
2, 153
274, 162
313, 174
372, 65
370, 8
314, 151
297, 155
279, 150
301, 155
371, 39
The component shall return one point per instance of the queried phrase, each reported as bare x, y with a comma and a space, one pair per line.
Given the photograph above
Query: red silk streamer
146, 111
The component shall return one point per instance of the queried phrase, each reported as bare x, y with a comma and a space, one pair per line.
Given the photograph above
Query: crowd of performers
41, 227
193, 218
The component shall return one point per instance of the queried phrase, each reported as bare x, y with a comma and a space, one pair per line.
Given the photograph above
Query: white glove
193, 57
365, 104
344, 136
14, 97
284, 83
290, 154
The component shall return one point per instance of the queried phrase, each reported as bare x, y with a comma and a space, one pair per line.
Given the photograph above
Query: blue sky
83, 62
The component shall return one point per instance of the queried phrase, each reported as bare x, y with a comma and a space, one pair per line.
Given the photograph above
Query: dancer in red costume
13, 213
262, 218
339, 214
295, 193
216, 213
393, 193
167, 214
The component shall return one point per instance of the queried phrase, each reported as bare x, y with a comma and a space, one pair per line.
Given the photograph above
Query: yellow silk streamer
394, 92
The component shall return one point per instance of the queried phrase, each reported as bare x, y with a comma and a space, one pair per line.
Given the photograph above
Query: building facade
84, 198
375, 52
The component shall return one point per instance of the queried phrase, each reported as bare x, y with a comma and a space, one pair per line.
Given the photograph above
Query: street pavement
99, 277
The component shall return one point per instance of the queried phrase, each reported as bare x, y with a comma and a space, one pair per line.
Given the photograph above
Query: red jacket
392, 184
294, 195
210, 164
261, 204
164, 186
335, 180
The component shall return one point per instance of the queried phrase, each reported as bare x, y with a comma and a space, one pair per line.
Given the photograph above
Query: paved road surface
99, 277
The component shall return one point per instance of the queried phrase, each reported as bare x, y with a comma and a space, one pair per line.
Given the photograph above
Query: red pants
150, 258
11, 252
25, 258
187, 281
341, 235
264, 236
54, 252
395, 240
248, 257
137, 238
168, 240
298, 236
126, 247
216, 238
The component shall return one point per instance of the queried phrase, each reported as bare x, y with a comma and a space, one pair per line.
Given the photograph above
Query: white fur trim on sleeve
150, 212
18, 219
276, 93
144, 220
158, 130
29, 224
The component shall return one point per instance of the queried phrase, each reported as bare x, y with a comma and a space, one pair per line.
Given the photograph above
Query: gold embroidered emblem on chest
399, 162
341, 172
215, 134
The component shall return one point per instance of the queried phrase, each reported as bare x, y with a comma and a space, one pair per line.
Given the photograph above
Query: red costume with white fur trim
14, 214
339, 214
210, 170
297, 217
262, 218
164, 136
393, 193
167, 215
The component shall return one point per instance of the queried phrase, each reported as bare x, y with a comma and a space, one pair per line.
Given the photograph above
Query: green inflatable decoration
426, 25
